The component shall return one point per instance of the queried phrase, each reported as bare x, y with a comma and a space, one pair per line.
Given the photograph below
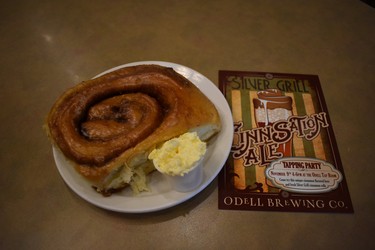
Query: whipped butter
179, 155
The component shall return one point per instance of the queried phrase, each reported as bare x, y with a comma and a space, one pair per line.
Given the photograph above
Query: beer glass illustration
271, 106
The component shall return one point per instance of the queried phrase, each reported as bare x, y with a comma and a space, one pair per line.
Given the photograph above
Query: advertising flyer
284, 155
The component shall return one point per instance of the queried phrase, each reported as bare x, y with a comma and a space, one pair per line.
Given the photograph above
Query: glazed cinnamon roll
107, 126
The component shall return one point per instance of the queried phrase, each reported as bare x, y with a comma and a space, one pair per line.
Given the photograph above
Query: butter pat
180, 155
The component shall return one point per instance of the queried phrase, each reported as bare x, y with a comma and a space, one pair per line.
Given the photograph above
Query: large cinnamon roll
107, 126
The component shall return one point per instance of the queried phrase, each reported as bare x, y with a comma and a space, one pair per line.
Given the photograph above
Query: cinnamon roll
108, 125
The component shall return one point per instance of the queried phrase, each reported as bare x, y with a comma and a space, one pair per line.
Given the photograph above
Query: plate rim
226, 117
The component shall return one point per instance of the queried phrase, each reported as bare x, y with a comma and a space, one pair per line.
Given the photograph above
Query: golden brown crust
115, 120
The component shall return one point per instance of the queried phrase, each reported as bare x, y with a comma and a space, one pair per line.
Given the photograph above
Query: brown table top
48, 46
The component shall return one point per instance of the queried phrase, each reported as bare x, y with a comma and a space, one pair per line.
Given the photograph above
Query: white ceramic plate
161, 196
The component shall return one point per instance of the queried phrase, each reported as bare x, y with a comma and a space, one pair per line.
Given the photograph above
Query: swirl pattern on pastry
114, 121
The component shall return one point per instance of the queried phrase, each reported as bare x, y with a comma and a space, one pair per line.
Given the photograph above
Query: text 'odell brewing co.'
284, 155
